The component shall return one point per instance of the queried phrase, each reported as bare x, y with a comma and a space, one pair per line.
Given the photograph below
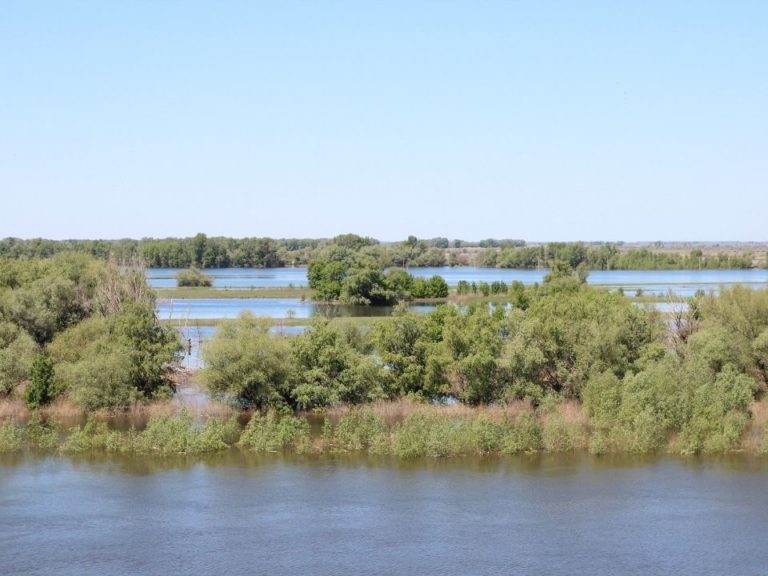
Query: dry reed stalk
758, 426
14, 409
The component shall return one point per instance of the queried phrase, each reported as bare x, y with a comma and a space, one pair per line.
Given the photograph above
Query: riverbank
400, 429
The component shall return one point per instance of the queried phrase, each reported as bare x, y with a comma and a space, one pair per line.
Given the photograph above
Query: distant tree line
201, 251
608, 257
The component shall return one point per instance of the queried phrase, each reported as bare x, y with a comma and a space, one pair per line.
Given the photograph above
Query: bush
270, 433
42, 434
522, 435
93, 435
193, 278
17, 351
103, 379
247, 364
11, 436
360, 429
180, 434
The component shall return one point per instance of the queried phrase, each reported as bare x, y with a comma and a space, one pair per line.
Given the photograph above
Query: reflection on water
214, 308
651, 281
239, 513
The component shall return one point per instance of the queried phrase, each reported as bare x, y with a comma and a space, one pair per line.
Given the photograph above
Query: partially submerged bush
11, 436
193, 278
180, 434
271, 432
359, 429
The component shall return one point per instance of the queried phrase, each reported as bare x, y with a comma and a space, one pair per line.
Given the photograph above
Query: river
238, 514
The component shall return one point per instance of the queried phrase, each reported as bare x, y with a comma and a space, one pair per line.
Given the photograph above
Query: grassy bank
401, 429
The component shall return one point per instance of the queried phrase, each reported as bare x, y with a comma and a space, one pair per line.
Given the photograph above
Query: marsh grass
272, 432
403, 429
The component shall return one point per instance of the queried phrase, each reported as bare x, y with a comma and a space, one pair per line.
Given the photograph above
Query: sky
540, 120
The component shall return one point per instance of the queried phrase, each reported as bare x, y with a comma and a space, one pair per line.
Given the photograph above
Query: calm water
234, 514
235, 277
212, 308
651, 281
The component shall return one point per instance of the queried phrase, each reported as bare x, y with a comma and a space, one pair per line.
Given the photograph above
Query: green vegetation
216, 252
354, 276
607, 257
193, 278
221, 293
78, 327
634, 385
40, 390
565, 367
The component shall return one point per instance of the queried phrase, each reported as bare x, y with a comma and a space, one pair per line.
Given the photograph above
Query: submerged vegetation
557, 367
193, 278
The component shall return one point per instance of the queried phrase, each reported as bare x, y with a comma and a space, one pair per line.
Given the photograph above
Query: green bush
270, 433
93, 435
360, 429
180, 434
244, 363
11, 436
41, 434
522, 435
17, 351
193, 278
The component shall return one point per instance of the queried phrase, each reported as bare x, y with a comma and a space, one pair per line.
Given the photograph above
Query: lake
682, 282
238, 514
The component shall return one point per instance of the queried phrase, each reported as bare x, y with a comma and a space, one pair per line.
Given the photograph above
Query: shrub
270, 433
522, 435
17, 351
93, 435
42, 434
180, 434
360, 429
193, 278
247, 364
11, 436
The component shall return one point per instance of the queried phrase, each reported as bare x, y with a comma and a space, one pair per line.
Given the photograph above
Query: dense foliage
641, 385
82, 327
346, 278
202, 251
607, 257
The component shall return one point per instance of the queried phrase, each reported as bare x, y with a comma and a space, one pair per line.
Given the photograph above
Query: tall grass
402, 429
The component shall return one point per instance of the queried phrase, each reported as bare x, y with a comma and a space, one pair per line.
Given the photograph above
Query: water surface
238, 514
214, 308
683, 282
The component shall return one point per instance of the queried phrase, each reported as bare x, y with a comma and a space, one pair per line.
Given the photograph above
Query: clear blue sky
613, 120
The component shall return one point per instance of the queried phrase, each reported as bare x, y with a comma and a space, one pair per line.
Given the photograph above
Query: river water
236, 513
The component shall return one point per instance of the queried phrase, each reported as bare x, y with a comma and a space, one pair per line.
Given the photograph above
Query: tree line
201, 251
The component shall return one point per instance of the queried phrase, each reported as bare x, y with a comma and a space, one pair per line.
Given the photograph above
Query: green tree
330, 370
243, 362
40, 390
